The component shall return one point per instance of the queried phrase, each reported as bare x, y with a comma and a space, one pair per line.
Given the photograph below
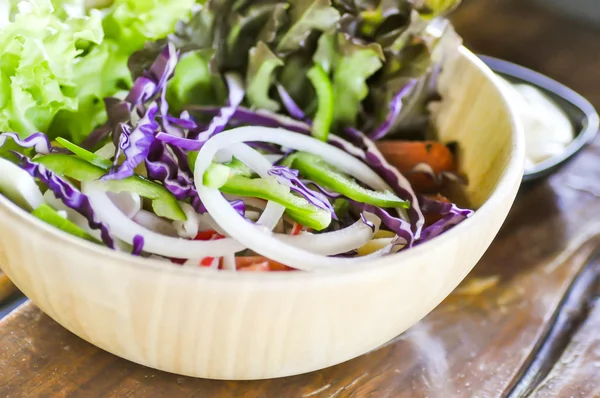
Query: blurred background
559, 38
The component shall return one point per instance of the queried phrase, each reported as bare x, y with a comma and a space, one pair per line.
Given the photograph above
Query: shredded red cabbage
138, 245
292, 108
38, 141
152, 81
399, 226
393, 177
367, 222
218, 123
395, 109
451, 213
135, 144
166, 168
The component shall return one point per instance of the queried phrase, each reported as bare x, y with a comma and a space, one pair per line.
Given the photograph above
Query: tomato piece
296, 229
242, 263
208, 235
206, 261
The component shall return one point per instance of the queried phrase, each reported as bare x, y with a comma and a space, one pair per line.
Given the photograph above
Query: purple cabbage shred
219, 122
399, 226
292, 108
135, 144
138, 245
367, 222
395, 109
392, 176
38, 141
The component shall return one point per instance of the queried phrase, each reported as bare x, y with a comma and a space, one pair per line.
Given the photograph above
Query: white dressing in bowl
548, 130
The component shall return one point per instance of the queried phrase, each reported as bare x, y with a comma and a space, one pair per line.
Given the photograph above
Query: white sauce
548, 130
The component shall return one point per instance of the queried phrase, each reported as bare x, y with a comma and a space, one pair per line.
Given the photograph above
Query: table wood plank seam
570, 315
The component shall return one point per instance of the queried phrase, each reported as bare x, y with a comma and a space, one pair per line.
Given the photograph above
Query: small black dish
580, 111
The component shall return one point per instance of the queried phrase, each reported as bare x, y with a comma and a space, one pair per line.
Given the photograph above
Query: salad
230, 134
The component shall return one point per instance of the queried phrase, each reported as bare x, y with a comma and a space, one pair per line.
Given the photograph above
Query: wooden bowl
225, 325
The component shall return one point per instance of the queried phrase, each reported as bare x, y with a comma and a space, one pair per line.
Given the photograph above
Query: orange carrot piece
406, 155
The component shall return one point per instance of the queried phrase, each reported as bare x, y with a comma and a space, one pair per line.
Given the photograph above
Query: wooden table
525, 322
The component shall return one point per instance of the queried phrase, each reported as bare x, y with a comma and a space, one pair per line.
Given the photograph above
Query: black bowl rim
591, 123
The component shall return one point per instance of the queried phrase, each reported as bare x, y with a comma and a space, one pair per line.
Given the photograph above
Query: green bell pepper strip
325, 110
86, 155
51, 216
217, 174
316, 169
268, 188
192, 156
164, 203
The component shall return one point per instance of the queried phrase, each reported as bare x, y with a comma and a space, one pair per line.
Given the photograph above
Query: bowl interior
580, 111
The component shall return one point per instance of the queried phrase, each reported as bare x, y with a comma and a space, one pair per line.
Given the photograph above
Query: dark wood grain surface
525, 322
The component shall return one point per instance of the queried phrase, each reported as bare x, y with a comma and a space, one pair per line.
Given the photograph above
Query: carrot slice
406, 155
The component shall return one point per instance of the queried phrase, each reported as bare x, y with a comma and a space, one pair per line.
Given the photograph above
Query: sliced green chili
268, 188
325, 110
316, 169
51, 216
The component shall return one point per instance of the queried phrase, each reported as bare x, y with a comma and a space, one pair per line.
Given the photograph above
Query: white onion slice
129, 203
257, 239
335, 242
154, 223
335, 156
189, 228
18, 186
272, 158
126, 229
208, 224
261, 166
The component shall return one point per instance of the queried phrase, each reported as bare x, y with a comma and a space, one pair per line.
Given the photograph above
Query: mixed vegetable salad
258, 135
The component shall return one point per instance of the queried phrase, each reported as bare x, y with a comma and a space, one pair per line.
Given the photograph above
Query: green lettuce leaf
306, 16
420, 57
39, 51
259, 78
351, 64
68, 8
101, 73
132, 23
194, 82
